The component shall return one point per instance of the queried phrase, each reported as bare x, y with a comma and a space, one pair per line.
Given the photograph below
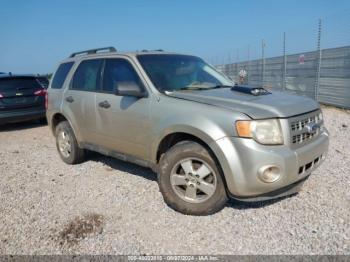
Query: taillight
1, 96
40, 92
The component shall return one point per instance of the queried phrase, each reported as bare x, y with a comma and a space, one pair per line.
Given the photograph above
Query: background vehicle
206, 138
22, 98
43, 81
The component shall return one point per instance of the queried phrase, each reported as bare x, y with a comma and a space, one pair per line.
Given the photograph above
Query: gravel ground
105, 206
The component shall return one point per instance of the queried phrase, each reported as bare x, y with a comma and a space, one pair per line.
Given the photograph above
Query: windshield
181, 72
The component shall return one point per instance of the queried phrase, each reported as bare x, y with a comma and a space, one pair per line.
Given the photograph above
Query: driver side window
119, 72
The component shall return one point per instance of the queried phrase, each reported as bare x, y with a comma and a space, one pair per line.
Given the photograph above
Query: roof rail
155, 50
94, 51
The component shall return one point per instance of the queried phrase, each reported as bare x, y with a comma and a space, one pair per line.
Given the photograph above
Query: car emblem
312, 127
19, 94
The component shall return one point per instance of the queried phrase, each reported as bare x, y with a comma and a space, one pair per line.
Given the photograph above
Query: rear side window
118, 72
60, 75
87, 75
18, 83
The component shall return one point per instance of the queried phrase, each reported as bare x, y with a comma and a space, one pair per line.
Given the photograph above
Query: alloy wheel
193, 180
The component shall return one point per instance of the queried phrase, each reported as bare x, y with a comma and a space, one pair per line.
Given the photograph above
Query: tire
67, 145
187, 196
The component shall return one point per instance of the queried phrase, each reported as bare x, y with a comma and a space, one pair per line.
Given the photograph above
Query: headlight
267, 132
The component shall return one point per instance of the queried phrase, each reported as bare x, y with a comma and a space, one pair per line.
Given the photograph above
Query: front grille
300, 124
302, 137
298, 127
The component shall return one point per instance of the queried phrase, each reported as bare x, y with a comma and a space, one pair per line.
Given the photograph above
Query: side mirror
130, 89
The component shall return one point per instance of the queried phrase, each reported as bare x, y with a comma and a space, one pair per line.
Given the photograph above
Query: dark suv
22, 97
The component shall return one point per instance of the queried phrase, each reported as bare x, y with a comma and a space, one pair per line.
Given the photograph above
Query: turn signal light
243, 128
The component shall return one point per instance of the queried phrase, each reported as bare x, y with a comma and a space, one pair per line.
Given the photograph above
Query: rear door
21, 93
58, 83
79, 99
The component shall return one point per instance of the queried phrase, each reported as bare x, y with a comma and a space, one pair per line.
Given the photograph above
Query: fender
188, 126
50, 117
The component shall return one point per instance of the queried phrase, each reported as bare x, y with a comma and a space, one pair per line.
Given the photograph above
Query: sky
37, 34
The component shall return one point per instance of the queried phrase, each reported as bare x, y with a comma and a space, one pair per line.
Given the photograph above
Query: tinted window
18, 83
87, 75
61, 75
118, 72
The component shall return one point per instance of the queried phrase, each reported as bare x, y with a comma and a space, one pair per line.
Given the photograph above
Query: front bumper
25, 115
278, 193
241, 159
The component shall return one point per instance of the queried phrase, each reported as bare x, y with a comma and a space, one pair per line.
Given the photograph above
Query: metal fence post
284, 76
263, 61
237, 61
248, 65
319, 53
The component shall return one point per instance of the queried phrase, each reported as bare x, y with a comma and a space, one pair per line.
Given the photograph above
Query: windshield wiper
205, 88
192, 88
220, 86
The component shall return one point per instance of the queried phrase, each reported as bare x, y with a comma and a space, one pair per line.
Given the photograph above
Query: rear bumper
25, 115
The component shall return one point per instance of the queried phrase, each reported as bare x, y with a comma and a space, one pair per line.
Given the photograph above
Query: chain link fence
322, 74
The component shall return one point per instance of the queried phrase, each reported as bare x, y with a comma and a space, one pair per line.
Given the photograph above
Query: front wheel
190, 180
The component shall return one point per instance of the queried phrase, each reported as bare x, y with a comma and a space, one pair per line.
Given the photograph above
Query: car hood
276, 104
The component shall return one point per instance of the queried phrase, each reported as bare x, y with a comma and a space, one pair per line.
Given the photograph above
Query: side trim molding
119, 155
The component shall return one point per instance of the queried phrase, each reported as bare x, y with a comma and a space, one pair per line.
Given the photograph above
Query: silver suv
206, 138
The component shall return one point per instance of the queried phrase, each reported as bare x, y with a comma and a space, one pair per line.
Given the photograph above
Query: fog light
269, 174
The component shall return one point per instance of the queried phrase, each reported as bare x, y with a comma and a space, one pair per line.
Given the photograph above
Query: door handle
104, 104
69, 99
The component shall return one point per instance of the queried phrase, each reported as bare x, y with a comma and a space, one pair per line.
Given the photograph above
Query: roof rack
155, 50
94, 51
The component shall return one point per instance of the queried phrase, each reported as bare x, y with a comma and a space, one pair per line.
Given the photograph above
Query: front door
123, 121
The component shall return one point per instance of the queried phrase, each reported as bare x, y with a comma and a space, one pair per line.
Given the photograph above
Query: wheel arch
56, 119
171, 138
176, 133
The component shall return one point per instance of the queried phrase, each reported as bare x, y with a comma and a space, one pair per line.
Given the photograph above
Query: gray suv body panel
277, 104
133, 128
